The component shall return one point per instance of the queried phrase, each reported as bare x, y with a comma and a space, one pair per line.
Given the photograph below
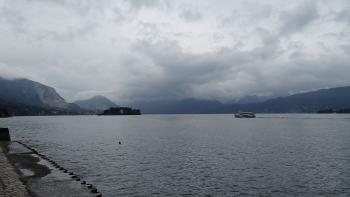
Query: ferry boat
245, 115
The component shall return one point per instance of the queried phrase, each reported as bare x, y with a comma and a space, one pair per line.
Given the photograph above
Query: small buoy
120, 142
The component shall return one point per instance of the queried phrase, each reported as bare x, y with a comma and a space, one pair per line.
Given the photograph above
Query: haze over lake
198, 155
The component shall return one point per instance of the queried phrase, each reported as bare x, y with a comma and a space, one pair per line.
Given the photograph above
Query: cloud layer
161, 49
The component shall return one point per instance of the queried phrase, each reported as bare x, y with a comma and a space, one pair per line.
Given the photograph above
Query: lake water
198, 155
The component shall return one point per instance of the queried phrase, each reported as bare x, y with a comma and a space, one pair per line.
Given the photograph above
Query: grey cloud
12, 18
247, 12
134, 50
191, 15
81, 7
69, 34
149, 31
298, 18
346, 48
182, 74
230, 74
137, 4
218, 37
344, 16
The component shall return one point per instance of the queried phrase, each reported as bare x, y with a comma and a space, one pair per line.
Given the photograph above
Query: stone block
5, 134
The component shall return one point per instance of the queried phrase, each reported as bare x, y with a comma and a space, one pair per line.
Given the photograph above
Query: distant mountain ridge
32, 93
18, 109
26, 97
96, 103
309, 102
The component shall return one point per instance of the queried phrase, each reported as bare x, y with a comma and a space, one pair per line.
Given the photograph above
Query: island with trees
121, 111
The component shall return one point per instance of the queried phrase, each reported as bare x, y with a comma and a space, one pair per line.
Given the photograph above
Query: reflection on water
198, 155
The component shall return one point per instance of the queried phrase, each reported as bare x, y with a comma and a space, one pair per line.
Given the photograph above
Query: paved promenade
10, 185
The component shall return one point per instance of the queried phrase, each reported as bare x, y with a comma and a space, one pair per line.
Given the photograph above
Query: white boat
245, 115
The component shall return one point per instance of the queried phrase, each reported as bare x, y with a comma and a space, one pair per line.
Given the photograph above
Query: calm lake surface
198, 155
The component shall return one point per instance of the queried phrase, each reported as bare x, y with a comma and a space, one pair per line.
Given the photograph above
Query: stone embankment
42, 176
10, 185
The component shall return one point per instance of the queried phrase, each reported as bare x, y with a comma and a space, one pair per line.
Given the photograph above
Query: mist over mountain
26, 97
252, 99
184, 106
310, 102
96, 103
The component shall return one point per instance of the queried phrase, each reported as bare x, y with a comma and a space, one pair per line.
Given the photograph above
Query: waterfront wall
5, 134
10, 185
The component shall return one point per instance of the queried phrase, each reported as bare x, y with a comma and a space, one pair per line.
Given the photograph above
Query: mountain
314, 101
23, 97
27, 92
18, 109
96, 103
26, 97
309, 102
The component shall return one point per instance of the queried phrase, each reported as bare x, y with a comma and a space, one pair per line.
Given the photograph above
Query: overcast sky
161, 49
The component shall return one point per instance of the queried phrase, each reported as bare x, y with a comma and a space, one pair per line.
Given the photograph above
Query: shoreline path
10, 185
